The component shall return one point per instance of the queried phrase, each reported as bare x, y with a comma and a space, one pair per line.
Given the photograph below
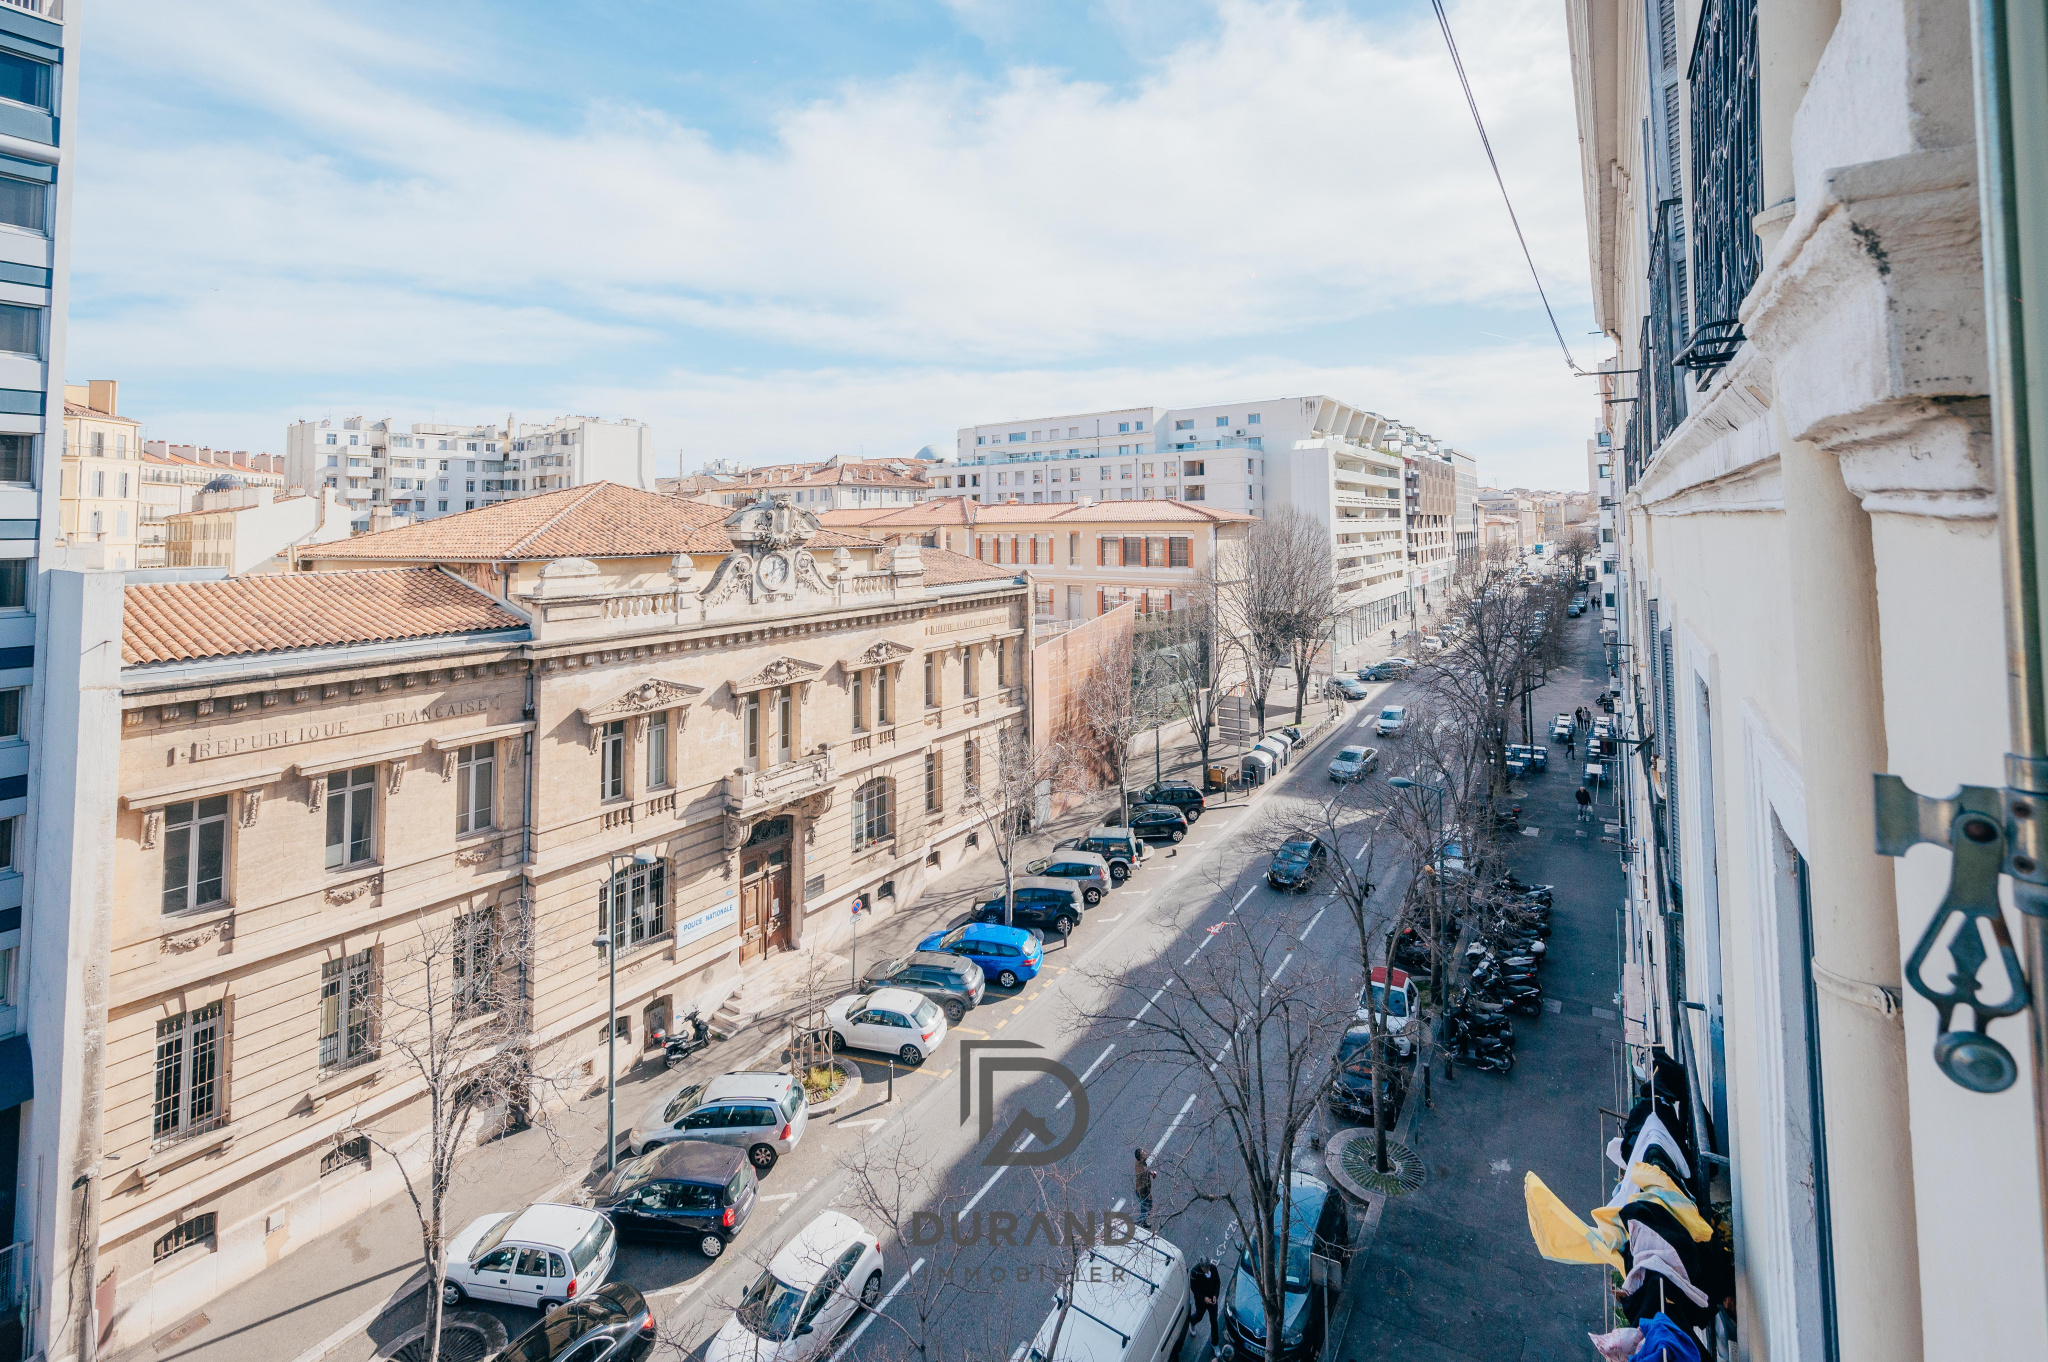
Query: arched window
871, 813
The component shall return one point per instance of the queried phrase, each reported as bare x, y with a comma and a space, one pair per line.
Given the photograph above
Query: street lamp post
1436, 945
608, 943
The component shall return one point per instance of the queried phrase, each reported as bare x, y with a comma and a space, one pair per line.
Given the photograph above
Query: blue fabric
1664, 1341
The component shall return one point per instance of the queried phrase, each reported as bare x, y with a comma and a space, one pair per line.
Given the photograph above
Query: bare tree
449, 1016
1574, 549
1005, 777
1117, 703
1251, 614
1191, 659
1256, 1029
1295, 549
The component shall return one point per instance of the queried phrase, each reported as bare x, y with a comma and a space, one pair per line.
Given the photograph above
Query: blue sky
787, 229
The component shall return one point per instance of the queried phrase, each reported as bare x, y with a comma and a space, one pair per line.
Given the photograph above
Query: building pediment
882, 653
783, 671
655, 693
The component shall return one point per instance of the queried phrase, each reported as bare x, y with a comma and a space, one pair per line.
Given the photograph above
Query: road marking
1148, 1004
1312, 922
685, 1289
1088, 1075
1001, 1024
1116, 917
970, 1031
1119, 1206
784, 1196
855, 1125
1178, 1118
1020, 1006
1017, 1148
869, 1318
1247, 896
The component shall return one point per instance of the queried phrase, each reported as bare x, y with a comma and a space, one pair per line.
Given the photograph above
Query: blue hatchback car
1007, 955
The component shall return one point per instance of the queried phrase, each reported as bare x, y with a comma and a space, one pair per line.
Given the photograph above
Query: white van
1127, 1303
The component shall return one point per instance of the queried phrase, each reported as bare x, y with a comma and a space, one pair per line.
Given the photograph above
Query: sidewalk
1451, 1275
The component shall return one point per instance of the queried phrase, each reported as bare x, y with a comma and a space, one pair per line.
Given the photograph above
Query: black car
691, 1190
611, 1324
1351, 1089
1159, 820
954, 982
1179, 793
1317, 1226
1298, 863
1042, 905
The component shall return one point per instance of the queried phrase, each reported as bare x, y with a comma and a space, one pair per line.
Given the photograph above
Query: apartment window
981, 439
473, 969
345, 1010
1002, 663
194, 1233
1147, 471
883, 690
99, 477
332, 440
1134, 551
753, 728
10, 713
348, 1154
1123, 451
1179, 551
1183, 425
1137, 425
351, 806
1252, 419
353, 440
931, 680
785, 723
24, 204
1155, 552
967, 670
1016, 437
469, 485
1073, 550
195, 853
98, 522
474, 783
1223, 420
17, 458
1123, 427
1124, 472
1102, 473
931, 782
640, 895
1192, 493
611, 749
1193, 468
657, 752
24, 81
1247, 467
860, 702
188, 1095
1103, 544
871, 813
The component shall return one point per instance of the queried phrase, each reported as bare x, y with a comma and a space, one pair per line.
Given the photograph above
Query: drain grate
465, 1337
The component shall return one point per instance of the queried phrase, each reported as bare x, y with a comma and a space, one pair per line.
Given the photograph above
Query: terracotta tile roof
601, 520
944, 568
187, 621
964, 511
74, 409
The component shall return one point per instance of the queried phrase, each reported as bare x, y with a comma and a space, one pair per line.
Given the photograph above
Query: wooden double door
765, 904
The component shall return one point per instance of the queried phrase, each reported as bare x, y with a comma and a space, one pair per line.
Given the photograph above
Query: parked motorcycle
693, 1035
1486, 1054
1514, 884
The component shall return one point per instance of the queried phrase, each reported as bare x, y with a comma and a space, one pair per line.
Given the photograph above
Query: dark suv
1159, 820
954, 983
1041, 903
1298, 863
691, 1190
611, 1324
1179, 793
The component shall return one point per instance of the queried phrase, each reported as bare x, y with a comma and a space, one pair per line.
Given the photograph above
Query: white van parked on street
1127, 1303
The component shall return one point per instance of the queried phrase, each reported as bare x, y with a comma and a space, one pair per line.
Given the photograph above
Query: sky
788, 229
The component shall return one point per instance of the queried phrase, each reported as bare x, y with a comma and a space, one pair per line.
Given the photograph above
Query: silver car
762, 1113
1354, 763
1087, 872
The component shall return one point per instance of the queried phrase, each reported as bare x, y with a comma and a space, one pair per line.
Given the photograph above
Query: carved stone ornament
448, 763
782, 671
316, 792
152, 824
478, 854
349, 893
222, 931
395, 777
252, 804
734, 575
770, 525
650, 696
737, 831
882, 653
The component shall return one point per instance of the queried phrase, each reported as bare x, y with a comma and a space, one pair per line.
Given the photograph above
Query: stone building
727, 723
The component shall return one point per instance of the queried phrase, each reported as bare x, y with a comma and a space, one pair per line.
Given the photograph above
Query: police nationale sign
710, 920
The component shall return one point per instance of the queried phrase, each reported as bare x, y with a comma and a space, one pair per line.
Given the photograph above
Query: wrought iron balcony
1662, 386
1727, 191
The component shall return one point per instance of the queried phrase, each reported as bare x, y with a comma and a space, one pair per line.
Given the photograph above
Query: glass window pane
21, 328
24, 81
177, 865
17, 457
207, 887
23, 203
359, 805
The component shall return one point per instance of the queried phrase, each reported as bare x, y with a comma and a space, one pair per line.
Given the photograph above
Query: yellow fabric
1657, 1186
1564, 1238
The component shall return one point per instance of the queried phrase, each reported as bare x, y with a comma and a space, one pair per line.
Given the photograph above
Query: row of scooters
1505, 955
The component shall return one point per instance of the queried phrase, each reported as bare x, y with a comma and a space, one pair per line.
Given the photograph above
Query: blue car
1008, 955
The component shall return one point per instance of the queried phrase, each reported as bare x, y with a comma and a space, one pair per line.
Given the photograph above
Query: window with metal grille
474, 783
188, 1089
195, 854
1134, 551
351, 812
346, 1010
640, 894
1727, 191
1179, 551
871, 813
348, 1154
185, 1234
474, 969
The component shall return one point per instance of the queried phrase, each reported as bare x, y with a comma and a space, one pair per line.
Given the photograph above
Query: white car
1392, 720
811, 1288
894, 1021
543, 1256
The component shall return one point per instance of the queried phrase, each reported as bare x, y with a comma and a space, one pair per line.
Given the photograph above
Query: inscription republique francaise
202, 749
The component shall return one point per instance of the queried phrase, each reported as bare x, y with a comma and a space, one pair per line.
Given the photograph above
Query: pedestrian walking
1142, 1185
1571, 744
1206, 1285
1585, 798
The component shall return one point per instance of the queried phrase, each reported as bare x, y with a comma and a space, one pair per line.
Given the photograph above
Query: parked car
890, 1021
1038, 902
662, 1122
1403, 1004
1317, 1226
762, 1113
1083, 869
543, 1256
1351, 1089
1392, 720
1159, 820
611, 1324
1008, 955
956, 985
1354, 763
691, 1190
1118, 846
1179, 793
1350, 687
1575, 609
1298, 863
807, 1293
1131, 1301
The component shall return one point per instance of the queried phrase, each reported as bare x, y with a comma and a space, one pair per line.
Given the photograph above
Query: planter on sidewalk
850, 1083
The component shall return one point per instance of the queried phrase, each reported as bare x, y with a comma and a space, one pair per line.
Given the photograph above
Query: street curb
361, 1323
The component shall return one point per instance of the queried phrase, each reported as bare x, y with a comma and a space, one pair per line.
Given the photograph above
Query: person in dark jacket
1205, 1284
1585, 798
1141, 1181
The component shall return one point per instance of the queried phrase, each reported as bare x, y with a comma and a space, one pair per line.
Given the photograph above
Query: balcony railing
1663, 385
1727, 189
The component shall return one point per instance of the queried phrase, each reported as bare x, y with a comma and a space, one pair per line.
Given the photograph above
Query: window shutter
1667, 731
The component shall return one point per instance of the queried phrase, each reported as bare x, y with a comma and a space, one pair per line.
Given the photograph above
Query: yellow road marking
1015, 1010
969, 1031
1001, 1024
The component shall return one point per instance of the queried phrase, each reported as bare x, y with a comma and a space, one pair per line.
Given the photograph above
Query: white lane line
685, 1289
783, 1196
1153, 1153
856, 1125
1017, 1148
1118, 917
1148, 1005
886, 1302
1312, 922
1119, 1206
1247, 897
1086, 1076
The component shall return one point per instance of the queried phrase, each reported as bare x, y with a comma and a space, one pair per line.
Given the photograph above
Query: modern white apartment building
1465, 526
422, 470
1337, 462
